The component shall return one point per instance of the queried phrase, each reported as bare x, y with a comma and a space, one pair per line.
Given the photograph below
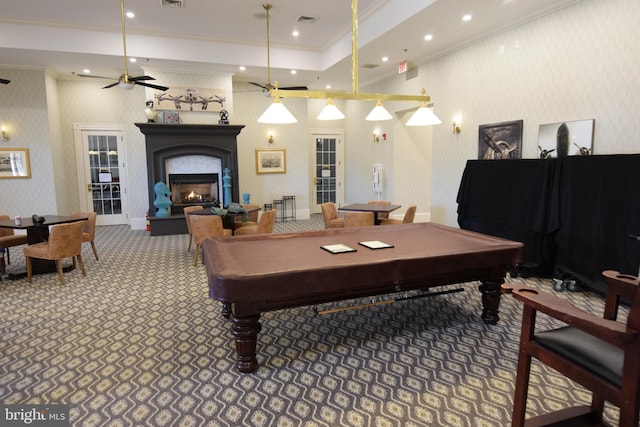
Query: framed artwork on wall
271, 160
573, 138
500, 141
14, 163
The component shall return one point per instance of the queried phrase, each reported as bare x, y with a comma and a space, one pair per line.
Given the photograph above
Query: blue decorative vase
245, 198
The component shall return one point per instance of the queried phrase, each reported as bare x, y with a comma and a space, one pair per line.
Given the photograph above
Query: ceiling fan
268, 85
125, 81
5, 81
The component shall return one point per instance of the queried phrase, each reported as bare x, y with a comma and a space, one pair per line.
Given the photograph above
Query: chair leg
29, 269
522, 390
95, 252
79, 257
60, 273
190, 239
8, 257
195, 257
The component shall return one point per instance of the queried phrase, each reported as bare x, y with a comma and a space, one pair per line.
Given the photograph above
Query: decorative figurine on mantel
150, 112
226, 185
224, 117
162, 201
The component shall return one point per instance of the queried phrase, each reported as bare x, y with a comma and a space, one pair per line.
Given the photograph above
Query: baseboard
420, 216
138, 223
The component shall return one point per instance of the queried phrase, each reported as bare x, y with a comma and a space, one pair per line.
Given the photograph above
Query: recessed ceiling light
242, 68
294, 72
86, 71
428, 37
133, 60
295, 33
467, 17
130, 15
385, 58
328, 87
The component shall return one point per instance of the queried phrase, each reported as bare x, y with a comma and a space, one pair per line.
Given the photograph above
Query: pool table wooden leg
245, 329
490, 300
226, 310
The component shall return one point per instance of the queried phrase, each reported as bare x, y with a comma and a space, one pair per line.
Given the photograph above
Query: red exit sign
402, 68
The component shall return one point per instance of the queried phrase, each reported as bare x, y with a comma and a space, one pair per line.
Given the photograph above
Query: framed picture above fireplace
271, 160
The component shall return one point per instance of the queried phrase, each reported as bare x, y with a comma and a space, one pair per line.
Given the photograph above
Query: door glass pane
105, 174
325, 170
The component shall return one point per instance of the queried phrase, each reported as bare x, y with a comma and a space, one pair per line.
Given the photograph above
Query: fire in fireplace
188, 189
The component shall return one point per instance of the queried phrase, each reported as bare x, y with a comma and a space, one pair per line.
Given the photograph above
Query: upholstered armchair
186, 212
265, 224
65, 241
89, 230
330, 216
204, 227
358, 219
409, 216
8, 238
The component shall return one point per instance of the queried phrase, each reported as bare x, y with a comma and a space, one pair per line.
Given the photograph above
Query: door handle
89, 187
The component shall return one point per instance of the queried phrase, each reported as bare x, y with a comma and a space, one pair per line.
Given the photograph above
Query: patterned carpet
139, 343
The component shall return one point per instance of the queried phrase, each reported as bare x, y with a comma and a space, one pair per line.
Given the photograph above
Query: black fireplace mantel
165, 141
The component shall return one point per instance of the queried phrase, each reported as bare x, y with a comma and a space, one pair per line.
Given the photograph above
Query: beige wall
578, 63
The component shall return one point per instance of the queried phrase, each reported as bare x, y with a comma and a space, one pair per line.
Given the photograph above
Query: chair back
381, 215
409, 215
65, 240
5, 231
267, 220
206, 226
358, 219
89, 228
186, 212
329, 212
251, 216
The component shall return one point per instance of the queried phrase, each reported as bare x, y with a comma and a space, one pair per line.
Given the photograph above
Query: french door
326, 168
102, 178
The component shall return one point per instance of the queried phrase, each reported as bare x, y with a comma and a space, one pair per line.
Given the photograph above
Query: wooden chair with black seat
358, 219
186, 212
601, 354
204, 227
409, 216
330, 216
89, 230
65, 241
8, 238
381, 215
265, 224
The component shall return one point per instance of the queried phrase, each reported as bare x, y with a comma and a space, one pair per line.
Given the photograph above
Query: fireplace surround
165, 142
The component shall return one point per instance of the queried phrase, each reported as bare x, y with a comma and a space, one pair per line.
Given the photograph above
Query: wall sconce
5, 134
270, 139
456, 124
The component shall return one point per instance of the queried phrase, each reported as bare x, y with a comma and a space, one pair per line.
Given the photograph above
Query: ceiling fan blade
5, 81
111, 85
294, 88
137, 79
257, 84
96, 77
157, 87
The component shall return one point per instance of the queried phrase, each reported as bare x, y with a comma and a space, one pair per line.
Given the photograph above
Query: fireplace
188, 149
193, 189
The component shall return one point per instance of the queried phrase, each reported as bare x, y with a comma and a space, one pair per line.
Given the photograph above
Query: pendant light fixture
330, 112
379, 113
423, 116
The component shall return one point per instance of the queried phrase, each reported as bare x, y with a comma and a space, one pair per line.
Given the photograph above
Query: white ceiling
67, 36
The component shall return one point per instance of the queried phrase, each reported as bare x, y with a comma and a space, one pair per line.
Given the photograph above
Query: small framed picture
14, 163
271, 160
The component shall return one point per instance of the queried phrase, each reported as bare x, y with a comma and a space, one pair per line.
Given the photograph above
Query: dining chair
599, 353
381, 215
330, 216
358, 219
8, 238
252, 217
409, 216
204, 227
89, 230
187, 217
265, 224
65, 241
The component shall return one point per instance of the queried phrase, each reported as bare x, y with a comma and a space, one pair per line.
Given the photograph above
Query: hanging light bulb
330, 112
277, 113
423, 117
378, 114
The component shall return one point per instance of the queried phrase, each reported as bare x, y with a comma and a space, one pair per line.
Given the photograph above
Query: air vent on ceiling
173, 3
306, 19
369, 65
